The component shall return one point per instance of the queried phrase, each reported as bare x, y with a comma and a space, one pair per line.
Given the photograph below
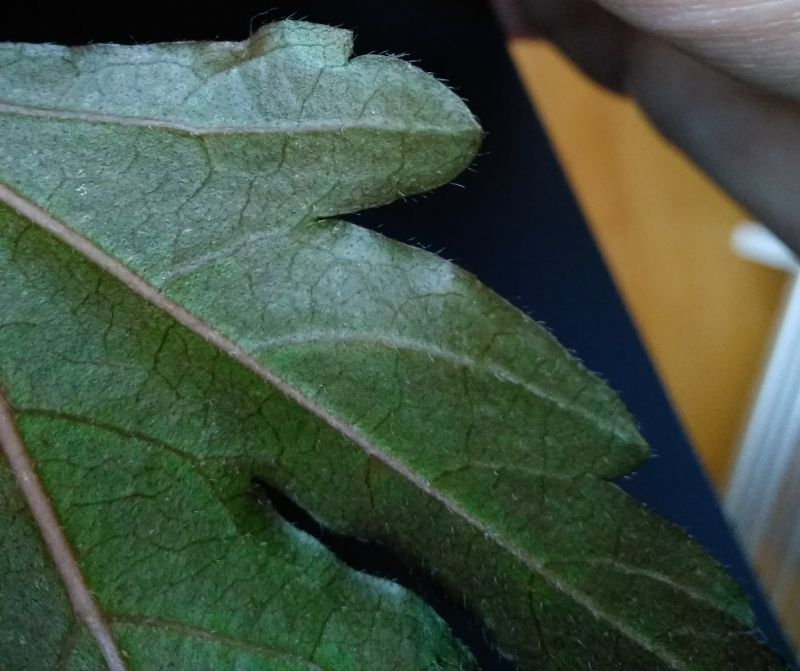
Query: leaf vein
213, 636
459, 360
134, 282
267, 128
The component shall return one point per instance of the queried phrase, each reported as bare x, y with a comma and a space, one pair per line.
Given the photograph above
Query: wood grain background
705, 315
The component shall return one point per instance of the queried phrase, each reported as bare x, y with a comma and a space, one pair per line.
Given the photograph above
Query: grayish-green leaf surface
180, 313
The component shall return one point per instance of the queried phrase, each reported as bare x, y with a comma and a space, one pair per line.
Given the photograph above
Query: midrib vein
56, 542
267, 128
134, 282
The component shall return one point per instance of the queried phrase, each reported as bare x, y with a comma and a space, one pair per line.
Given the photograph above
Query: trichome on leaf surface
182, 312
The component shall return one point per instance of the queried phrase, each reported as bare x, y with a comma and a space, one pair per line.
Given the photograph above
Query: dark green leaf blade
146, 455
451, 427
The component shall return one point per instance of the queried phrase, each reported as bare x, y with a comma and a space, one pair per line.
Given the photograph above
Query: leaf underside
181, 311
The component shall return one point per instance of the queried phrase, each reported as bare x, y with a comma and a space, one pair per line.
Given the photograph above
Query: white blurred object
763, 497
755, 242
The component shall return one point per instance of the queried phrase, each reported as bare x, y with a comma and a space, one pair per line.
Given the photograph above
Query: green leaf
181, 313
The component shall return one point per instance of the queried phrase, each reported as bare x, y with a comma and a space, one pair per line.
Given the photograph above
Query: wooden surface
704, 314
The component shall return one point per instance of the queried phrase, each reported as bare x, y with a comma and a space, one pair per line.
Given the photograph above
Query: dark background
515, 224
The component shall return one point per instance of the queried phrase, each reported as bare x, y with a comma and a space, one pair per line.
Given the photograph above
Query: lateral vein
88, 250
57, 545
458, 360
